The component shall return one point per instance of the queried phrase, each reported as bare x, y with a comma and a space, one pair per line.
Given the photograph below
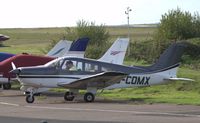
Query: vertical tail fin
60, 48
4, 56
116, 52
170, 57
78, 48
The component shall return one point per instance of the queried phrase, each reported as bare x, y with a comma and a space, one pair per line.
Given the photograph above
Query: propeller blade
13, 66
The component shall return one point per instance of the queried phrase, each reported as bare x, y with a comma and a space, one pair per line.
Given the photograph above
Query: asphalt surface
53, 109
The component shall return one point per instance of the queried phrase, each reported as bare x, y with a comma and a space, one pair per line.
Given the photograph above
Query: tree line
175, 25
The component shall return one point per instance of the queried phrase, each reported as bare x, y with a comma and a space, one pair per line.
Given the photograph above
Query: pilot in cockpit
70, 66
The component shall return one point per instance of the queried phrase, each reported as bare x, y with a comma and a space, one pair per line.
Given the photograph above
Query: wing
99, 81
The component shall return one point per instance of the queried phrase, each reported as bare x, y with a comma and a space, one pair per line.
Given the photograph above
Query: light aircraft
23, 60
92, 75
4, 37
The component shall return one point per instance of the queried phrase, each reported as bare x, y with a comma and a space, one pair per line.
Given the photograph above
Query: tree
97, 34
175, 25
196, 24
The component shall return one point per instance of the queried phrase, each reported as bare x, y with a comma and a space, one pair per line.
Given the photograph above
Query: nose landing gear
30, 98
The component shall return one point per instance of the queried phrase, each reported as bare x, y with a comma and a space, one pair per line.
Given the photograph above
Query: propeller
14, 70
13, 66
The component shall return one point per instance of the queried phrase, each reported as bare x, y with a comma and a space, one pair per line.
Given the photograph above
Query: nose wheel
30, 98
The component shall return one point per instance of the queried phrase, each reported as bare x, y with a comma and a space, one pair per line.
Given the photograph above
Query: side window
70, 65
79, 66
91, 67
106, 69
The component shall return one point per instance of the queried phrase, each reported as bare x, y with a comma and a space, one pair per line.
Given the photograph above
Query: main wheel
7, 86
89, 97
69, 96
30, 99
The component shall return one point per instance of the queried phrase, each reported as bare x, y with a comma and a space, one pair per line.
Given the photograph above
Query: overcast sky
60, 13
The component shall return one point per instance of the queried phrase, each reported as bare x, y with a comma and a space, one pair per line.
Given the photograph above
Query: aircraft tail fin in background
170, 57
116, 53
78, 48
4, 56
60, 48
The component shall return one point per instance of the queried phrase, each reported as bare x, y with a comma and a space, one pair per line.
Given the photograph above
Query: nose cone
15, 71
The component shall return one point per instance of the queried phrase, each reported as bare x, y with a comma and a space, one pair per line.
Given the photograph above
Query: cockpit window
55, 63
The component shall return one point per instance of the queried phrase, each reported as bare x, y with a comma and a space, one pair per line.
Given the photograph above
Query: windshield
56, 62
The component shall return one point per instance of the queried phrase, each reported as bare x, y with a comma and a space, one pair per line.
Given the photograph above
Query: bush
97, 34
177, 25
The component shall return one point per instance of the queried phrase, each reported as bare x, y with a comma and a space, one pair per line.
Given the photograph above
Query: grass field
33, 40
30, 40
173, 92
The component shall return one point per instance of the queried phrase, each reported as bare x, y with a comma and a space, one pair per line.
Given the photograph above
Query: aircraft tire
30, 99
69, 96
89, 97
7, 86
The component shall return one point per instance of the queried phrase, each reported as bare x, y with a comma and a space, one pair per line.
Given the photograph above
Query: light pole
127, 13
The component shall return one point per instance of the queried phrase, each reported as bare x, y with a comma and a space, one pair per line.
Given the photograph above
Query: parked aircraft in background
4, 37
116, 53
23, 60
92, 75
4, 56
60, 48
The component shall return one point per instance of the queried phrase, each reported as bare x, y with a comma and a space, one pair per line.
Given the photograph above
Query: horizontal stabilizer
179, 79
100, 80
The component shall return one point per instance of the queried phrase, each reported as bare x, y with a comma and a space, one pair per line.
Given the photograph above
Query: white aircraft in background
116, 53
60, 48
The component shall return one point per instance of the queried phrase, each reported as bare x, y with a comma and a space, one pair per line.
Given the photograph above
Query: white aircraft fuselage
131, 80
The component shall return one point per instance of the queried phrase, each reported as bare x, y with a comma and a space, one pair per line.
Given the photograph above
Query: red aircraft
19, 60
